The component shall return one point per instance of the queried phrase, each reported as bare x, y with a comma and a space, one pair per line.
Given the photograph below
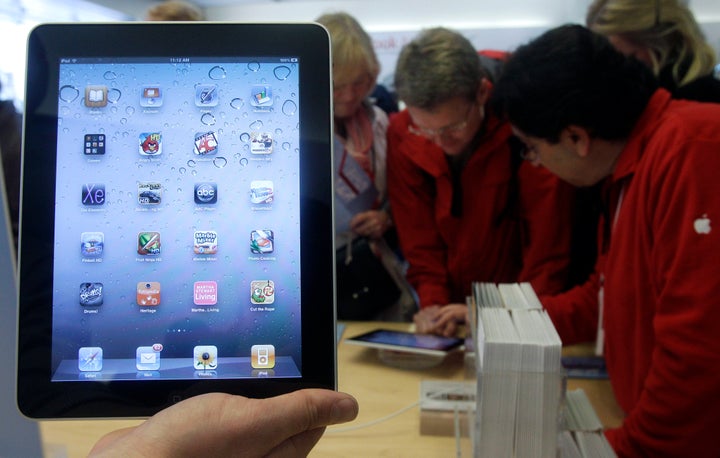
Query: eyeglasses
442, 132
529, 154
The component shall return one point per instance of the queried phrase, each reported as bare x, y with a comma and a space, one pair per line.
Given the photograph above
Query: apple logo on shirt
702, 225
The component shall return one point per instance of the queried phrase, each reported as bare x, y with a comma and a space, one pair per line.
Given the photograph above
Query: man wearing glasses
465, 205
590, 115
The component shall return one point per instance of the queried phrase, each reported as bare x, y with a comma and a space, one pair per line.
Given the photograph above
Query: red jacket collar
643, 130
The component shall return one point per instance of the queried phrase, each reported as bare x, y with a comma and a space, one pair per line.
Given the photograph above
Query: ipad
427, 344
177, 223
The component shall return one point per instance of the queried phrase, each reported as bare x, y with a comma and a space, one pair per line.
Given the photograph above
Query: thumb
303, 415
308, 409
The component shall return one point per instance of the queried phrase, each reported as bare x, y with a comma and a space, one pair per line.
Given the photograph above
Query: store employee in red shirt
591, 115
465, 209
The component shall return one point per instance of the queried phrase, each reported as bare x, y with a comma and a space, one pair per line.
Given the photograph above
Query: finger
304, 410
422, 327
431, 311
450, 329
445, 322
423, 321
359, 220
110, 438
298, 445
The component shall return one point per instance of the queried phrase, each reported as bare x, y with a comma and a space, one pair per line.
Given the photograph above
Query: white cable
373, 422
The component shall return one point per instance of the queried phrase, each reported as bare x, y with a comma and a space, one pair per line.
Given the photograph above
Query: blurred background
489, 24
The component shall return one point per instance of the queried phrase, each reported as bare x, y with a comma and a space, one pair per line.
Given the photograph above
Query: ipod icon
262, 356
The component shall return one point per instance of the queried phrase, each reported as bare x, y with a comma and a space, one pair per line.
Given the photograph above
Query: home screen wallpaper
177, 220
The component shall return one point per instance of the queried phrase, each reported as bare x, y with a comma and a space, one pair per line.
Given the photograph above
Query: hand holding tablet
282, 426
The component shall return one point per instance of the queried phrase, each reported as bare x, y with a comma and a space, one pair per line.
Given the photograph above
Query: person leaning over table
664, 35
591, 115
360, 145
465, 205
223, 425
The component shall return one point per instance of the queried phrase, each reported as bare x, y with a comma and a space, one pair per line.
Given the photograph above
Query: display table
381, 391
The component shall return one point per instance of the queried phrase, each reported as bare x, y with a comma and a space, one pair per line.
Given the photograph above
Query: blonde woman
369, 275
174, 10
664, 35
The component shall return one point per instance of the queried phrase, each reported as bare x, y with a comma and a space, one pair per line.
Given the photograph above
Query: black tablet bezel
37, 396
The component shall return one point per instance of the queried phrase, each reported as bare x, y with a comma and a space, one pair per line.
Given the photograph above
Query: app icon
94, 144
205, 143
92, 244
149, 193
90, 359
262, 356
205, 292
261, 95
148, 243
147, 359
150, 143
261, 143
205, 193
93, 194
151, 96
205, 242
91, 294
206, 95
261, 241
262, 292
96, 96
205, 357
148, 293
261, 191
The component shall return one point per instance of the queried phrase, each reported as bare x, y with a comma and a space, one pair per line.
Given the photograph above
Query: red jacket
662, 284
447, 253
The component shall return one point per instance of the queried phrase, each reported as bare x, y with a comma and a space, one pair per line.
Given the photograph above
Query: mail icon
147, 359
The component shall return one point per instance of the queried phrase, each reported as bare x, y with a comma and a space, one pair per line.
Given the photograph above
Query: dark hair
572, 76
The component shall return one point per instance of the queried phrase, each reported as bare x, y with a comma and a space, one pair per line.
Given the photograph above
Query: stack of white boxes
519, 373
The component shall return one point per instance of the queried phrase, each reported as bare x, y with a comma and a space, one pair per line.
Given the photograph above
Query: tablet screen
178, 189
177, 193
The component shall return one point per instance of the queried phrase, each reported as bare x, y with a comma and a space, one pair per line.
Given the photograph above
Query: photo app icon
205, 357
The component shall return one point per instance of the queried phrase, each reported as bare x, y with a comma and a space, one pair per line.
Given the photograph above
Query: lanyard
600, 338
347, 177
